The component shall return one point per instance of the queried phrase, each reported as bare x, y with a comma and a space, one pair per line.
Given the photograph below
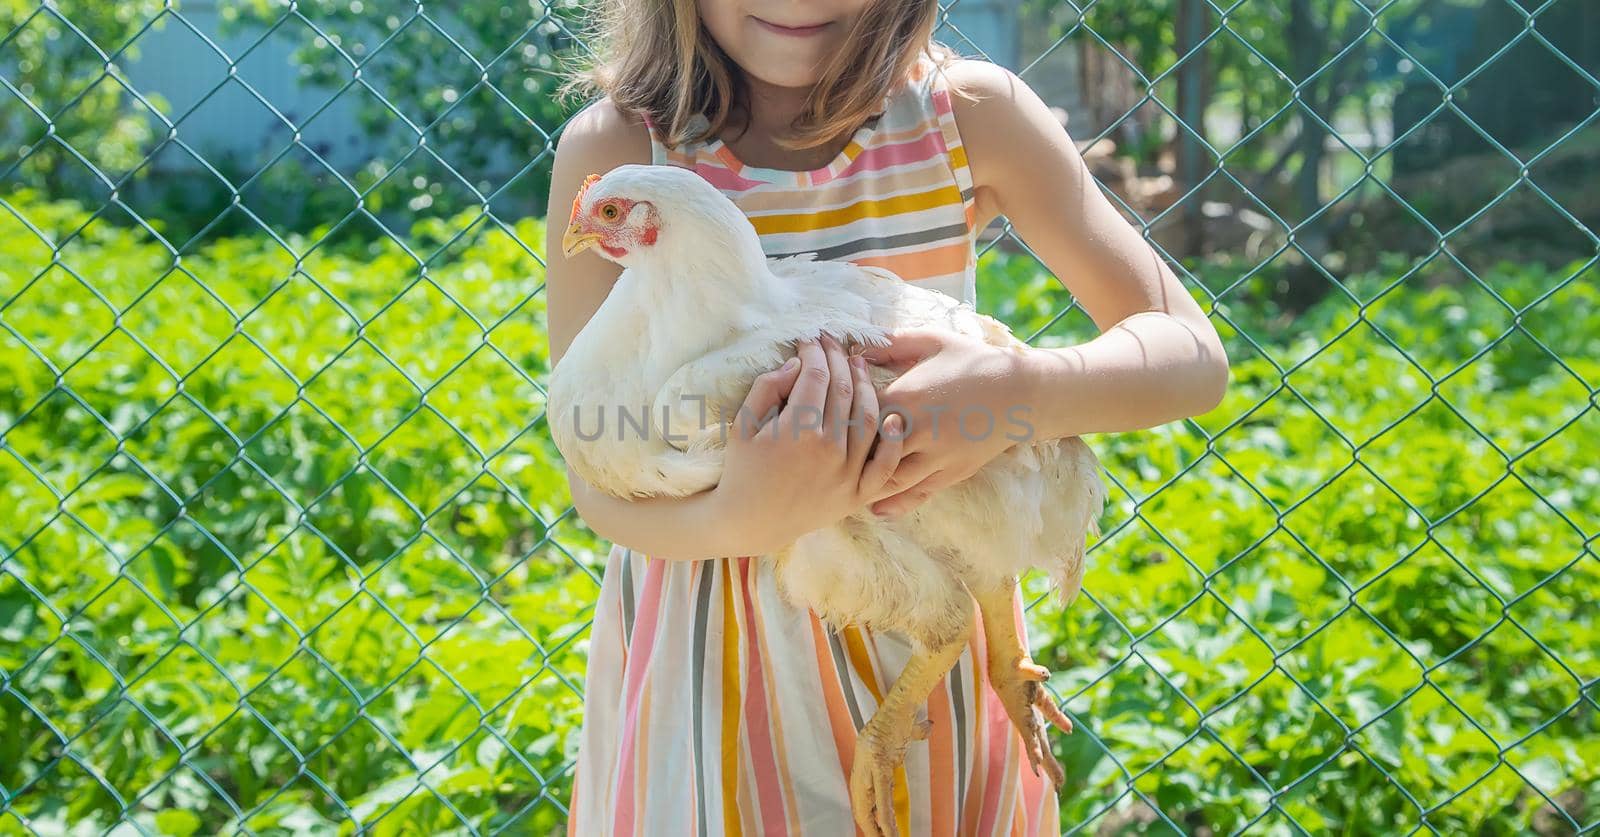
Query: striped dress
712, 706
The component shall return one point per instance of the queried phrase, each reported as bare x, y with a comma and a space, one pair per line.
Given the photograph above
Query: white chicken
696, 315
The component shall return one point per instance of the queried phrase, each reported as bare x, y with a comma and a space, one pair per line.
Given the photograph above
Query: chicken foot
881, 745
1020, 682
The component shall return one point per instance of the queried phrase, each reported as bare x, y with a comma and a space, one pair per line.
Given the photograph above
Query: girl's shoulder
596, 140
1005, 128
988, 103
976, 85
603, 136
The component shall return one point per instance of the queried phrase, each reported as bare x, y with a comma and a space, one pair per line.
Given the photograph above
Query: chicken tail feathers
1068, 572
1068, 576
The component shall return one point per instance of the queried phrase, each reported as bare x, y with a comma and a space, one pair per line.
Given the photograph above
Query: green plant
73, 106
460, 99
330, 583
293, 523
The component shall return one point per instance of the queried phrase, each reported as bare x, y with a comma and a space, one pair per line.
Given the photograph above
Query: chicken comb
582, 190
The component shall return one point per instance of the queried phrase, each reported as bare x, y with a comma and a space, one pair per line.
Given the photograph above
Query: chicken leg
881, 746
1020, 682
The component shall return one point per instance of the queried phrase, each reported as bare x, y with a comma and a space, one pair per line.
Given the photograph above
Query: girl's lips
792, 31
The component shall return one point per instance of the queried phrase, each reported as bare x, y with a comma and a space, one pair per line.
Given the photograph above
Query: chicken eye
610, 212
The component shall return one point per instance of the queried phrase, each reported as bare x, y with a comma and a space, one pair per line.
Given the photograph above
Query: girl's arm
598, 140
1158, 358
684, 528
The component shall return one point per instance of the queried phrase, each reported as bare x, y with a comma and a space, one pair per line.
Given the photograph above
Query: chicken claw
1019, 682
898, 721
880, 751
1020, 687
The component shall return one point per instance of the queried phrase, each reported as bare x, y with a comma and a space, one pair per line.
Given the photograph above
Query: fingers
881, 467
810, 393
863, 417
766, 396
911, 483
906, 347
841, 391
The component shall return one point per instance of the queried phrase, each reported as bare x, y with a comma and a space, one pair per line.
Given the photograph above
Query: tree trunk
1193, 92
1306, 44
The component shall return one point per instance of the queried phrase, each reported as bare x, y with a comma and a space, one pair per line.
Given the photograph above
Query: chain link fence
284, 546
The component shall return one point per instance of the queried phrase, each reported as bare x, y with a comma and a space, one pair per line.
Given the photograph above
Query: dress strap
938, 92
658, 148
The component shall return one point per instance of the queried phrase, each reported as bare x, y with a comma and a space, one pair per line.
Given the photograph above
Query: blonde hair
635, 36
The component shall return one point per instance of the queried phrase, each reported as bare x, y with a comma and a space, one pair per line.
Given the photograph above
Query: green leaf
178, 823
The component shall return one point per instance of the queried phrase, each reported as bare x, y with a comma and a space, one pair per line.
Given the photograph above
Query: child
711, 705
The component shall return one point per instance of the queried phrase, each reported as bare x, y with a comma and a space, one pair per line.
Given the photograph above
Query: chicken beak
576, 240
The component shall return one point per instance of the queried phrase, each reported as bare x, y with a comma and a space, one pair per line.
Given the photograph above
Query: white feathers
698, 315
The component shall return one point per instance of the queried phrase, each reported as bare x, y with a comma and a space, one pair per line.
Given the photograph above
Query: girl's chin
778, 61
797, 81
787, 75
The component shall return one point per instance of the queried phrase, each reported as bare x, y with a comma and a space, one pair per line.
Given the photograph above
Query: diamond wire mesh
271, 565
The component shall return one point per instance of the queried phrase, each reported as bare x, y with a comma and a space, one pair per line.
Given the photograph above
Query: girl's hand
966, 402
797, 456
